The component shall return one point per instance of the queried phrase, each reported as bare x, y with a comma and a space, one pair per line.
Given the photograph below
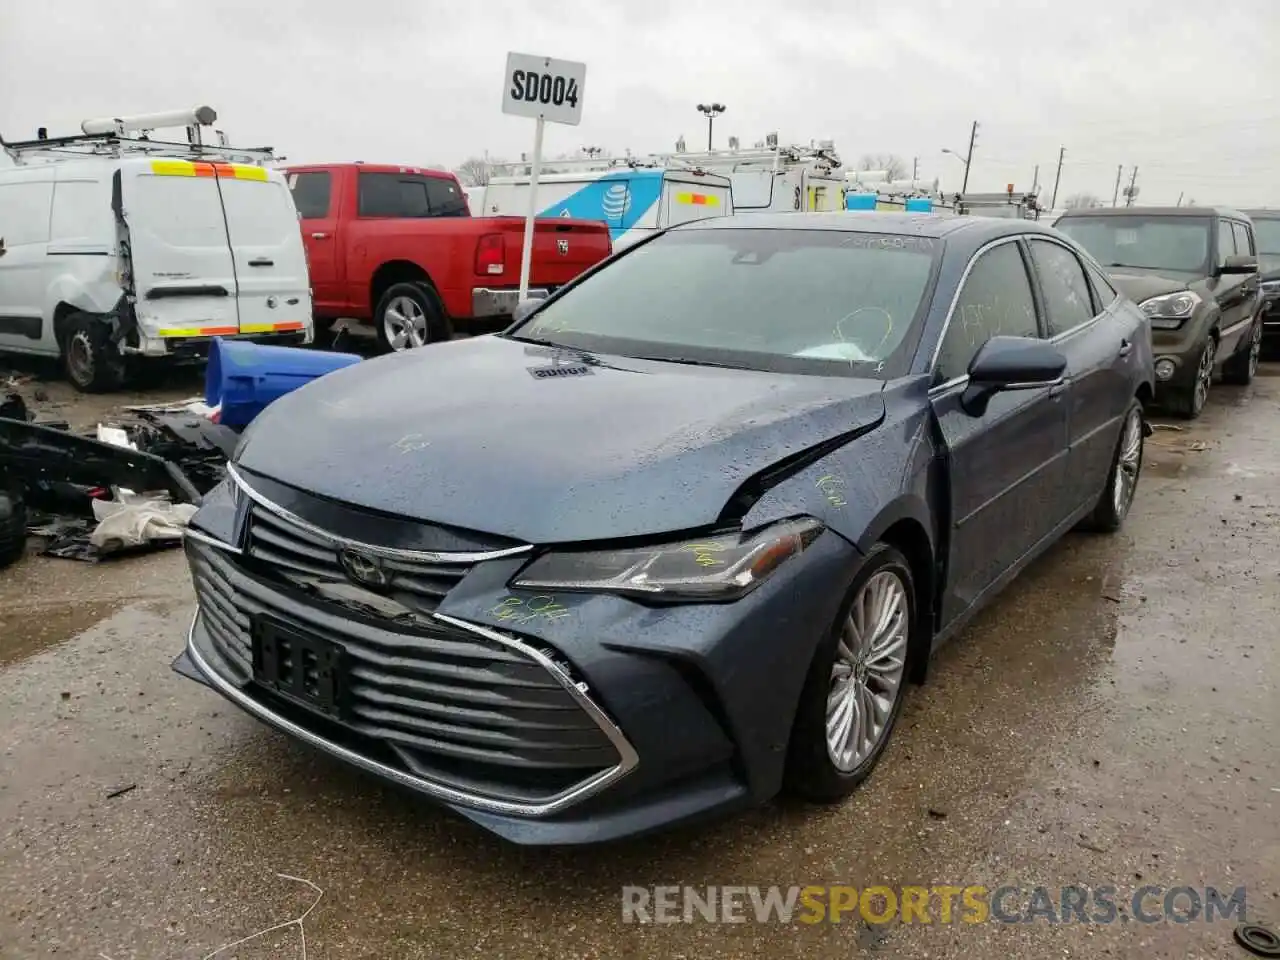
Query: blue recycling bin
860, 201
245, 377
920, 205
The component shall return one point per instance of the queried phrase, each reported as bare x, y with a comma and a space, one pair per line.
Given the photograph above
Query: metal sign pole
526, 253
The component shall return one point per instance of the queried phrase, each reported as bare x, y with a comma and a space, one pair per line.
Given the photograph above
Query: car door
1252, 286
317, 216
25, 200
1099, 351
1007, 467
1230, 291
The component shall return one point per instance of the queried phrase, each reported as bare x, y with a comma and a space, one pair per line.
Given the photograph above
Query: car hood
474, 434
1142, 286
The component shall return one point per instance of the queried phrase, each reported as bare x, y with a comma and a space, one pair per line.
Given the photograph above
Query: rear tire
409, 315
1189, 402
1239, 370
90, 359
1122, 479
880, 660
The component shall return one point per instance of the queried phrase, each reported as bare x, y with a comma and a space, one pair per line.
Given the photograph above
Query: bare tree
892, 164
473, 172
1081, 201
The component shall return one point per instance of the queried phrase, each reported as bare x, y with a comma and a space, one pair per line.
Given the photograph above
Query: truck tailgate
562, 248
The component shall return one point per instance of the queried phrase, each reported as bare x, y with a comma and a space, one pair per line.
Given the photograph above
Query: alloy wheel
1204, 377
1128, 463
867, 675
405, 324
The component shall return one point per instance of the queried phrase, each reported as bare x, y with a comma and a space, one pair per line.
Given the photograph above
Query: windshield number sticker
517, 610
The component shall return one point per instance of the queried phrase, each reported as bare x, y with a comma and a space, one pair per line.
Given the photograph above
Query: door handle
1126, 347
319, 236
262, 263
3, 251
1059, 388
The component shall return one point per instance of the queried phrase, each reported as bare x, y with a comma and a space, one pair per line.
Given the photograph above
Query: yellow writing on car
704, 554
832, 488
520, 610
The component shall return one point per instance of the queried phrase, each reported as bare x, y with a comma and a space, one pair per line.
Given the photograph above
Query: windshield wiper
693, 362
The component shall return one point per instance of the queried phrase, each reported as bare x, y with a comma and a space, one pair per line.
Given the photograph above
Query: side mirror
1011, 363
524, 308
1241, 263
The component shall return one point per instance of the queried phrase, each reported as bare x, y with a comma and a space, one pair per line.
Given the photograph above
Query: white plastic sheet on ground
134, 521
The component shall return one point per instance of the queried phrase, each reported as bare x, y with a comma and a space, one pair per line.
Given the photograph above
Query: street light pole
711, 111
960, 157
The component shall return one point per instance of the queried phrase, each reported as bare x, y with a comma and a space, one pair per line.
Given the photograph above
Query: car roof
370, 168
1155, 212
1264, 213
934, 226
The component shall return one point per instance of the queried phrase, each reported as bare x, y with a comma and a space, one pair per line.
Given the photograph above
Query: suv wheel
409, 316
1189, 402
1240, 369
89, 357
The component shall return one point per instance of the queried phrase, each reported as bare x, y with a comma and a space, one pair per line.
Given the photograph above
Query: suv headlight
1170, 310
721, 567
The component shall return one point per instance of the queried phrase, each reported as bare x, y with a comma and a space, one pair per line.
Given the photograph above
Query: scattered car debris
1257, 939
121, 791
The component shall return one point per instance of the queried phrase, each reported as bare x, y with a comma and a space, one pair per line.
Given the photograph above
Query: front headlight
722, 567
1171, 309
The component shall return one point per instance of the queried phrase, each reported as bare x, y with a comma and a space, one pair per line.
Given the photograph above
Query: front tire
1239, 370
1122, 480
854, 690
13, 526
408, 316
1189, 402
90, 359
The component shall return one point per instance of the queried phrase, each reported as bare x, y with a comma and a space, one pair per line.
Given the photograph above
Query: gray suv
1194, 273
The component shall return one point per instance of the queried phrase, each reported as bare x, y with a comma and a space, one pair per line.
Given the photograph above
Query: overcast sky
1188, 90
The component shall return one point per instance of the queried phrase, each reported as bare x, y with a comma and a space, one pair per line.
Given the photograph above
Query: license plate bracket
300, 666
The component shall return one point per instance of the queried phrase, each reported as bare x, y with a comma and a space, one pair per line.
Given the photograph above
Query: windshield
803, 301
1180, 244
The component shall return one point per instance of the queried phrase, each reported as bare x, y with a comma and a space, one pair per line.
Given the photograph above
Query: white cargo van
633, 202
114, 248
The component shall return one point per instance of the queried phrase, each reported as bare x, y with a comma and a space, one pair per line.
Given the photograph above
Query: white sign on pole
541, 89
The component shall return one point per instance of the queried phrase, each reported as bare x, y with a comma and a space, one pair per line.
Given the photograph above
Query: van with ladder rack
118, 248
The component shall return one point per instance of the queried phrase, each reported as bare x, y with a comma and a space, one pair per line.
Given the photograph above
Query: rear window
409, 196
311, 193
258, 212
179, 211
803, 301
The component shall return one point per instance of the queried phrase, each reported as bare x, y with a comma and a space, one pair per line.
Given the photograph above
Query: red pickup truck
397, 247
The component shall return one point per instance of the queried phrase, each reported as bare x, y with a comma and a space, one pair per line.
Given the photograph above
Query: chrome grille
283, 545
453, 706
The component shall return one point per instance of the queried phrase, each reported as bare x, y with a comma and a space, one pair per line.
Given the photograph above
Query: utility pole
1180, 196
1115, 196
915, 168
1053, 204
968, 160
1035, 178
1128, 202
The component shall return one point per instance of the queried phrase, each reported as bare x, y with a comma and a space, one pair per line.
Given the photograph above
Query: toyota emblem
363, 568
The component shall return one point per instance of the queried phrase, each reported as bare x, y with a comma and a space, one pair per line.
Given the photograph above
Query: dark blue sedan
679, 538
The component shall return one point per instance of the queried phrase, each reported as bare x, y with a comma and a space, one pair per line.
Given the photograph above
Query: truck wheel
91, 361
408, 316
1239, 370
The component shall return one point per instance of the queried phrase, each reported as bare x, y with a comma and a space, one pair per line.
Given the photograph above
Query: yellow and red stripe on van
200, 168
698, 199
223, 331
